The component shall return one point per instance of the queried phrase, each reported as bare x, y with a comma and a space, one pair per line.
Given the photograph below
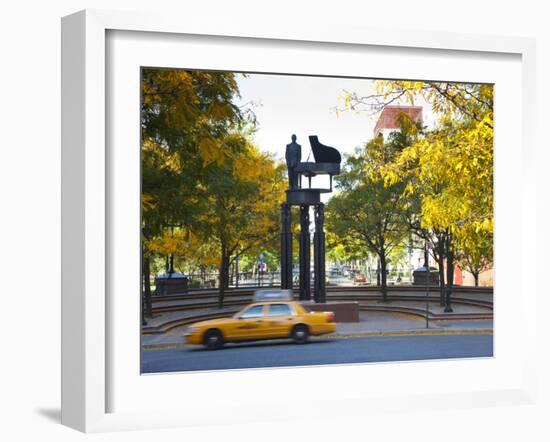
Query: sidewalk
371, 324
378, 323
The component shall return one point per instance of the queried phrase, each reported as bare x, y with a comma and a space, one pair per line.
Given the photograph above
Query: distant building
389, 121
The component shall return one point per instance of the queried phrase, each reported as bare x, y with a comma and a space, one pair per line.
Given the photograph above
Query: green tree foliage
447, 170
366, 212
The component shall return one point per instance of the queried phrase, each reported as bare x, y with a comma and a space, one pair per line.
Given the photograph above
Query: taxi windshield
250, 312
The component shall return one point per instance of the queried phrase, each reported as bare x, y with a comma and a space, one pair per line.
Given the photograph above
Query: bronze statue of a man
293, 156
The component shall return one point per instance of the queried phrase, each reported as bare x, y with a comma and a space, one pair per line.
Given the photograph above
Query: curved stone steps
208, 293
395, 309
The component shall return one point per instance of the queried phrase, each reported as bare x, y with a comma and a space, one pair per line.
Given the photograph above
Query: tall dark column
305, 258
286, 247
319, 253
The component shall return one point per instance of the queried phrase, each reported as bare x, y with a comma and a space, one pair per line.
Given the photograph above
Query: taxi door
250, 323
279, 320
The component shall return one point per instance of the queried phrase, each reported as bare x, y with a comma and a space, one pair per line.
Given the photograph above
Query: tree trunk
440, 264
237, 271
476, 279
383, 276
171, 269
203, 275
147, 286
441, 282
223, 276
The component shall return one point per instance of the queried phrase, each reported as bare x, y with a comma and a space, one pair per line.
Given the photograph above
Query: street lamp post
428, 275
450, 277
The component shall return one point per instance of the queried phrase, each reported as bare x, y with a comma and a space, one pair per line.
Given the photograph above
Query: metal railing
199, 281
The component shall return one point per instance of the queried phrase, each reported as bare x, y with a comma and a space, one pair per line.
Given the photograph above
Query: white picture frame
86, 354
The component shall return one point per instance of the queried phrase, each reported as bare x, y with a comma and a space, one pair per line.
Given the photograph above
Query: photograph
303, 220
244, 222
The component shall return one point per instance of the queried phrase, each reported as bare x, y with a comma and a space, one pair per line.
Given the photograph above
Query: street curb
354, 335
411, 333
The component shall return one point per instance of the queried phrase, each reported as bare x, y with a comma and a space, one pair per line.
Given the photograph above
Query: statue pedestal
303, 197
343, 311
327, 162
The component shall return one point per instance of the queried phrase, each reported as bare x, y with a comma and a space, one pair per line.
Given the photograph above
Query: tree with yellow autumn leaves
208, 194
242, 213
445, 172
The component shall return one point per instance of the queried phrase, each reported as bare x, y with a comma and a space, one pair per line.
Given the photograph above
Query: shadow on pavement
258, 344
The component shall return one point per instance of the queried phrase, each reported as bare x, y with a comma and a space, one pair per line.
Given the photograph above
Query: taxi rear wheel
300, 334
213, 339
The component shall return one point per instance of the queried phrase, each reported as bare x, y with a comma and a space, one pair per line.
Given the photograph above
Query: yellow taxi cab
270, 317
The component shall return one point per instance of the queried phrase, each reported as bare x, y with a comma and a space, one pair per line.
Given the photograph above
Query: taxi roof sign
272, 295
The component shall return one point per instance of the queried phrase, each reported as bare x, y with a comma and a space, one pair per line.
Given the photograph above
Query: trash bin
423, 278
171, 283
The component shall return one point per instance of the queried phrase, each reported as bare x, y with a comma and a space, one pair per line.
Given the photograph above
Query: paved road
318, 352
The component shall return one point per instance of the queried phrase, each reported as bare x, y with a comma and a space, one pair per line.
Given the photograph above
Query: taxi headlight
190, 330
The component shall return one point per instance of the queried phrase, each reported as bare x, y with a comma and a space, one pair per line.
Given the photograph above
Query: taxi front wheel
213, 339
300, 334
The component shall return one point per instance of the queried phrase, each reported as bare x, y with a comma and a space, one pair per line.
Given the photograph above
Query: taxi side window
279, 310
252, 312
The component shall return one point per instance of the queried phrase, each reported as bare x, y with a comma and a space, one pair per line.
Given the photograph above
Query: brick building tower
388, 120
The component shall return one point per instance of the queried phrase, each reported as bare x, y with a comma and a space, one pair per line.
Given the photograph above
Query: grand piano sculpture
327, 162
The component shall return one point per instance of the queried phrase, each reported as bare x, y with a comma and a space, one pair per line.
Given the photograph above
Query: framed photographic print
324, 210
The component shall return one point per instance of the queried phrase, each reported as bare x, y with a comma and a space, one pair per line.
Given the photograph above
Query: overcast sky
305, 106
287, 104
